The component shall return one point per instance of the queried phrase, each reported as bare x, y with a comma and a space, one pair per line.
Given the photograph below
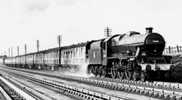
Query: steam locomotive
131, 56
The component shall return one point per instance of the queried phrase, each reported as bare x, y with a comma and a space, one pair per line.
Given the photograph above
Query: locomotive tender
131, 56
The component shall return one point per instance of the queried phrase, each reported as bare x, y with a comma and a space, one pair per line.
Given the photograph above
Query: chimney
149, 29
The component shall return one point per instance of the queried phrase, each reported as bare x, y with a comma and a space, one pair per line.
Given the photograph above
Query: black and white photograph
90, 50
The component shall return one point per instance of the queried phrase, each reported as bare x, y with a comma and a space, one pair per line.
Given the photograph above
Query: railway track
16, 92
161, 91
76, 92
4, 95
34, 91
12, 94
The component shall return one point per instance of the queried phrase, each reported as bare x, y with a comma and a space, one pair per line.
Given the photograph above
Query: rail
79, 93
14, 92
4, 94
162, 91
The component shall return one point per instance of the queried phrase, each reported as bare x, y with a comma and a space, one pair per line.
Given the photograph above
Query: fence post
177, 48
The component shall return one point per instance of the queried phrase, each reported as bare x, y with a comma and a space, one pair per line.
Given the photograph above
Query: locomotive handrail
107, 39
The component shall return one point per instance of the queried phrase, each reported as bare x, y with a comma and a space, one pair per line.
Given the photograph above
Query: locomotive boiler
130, 56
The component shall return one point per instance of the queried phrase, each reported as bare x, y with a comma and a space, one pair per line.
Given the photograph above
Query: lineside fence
173, 50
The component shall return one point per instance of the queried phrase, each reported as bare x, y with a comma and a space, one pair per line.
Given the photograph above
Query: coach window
73, 52
70, 54
66, 53
80, 51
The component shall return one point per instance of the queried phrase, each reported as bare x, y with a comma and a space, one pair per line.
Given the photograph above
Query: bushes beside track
176, 71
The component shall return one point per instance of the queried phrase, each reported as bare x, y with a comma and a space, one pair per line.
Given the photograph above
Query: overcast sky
25, 21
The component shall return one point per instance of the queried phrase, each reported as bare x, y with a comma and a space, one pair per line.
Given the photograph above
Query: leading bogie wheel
142, 76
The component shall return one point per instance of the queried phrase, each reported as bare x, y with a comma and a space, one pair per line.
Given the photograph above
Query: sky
25, 21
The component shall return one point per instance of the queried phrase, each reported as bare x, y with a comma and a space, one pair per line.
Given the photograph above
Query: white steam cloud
81, 72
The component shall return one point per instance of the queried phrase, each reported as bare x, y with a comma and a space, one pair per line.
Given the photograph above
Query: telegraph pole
25, 47
107, 32
11, 51
59, 50
4, 57
38, 45
17, 50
